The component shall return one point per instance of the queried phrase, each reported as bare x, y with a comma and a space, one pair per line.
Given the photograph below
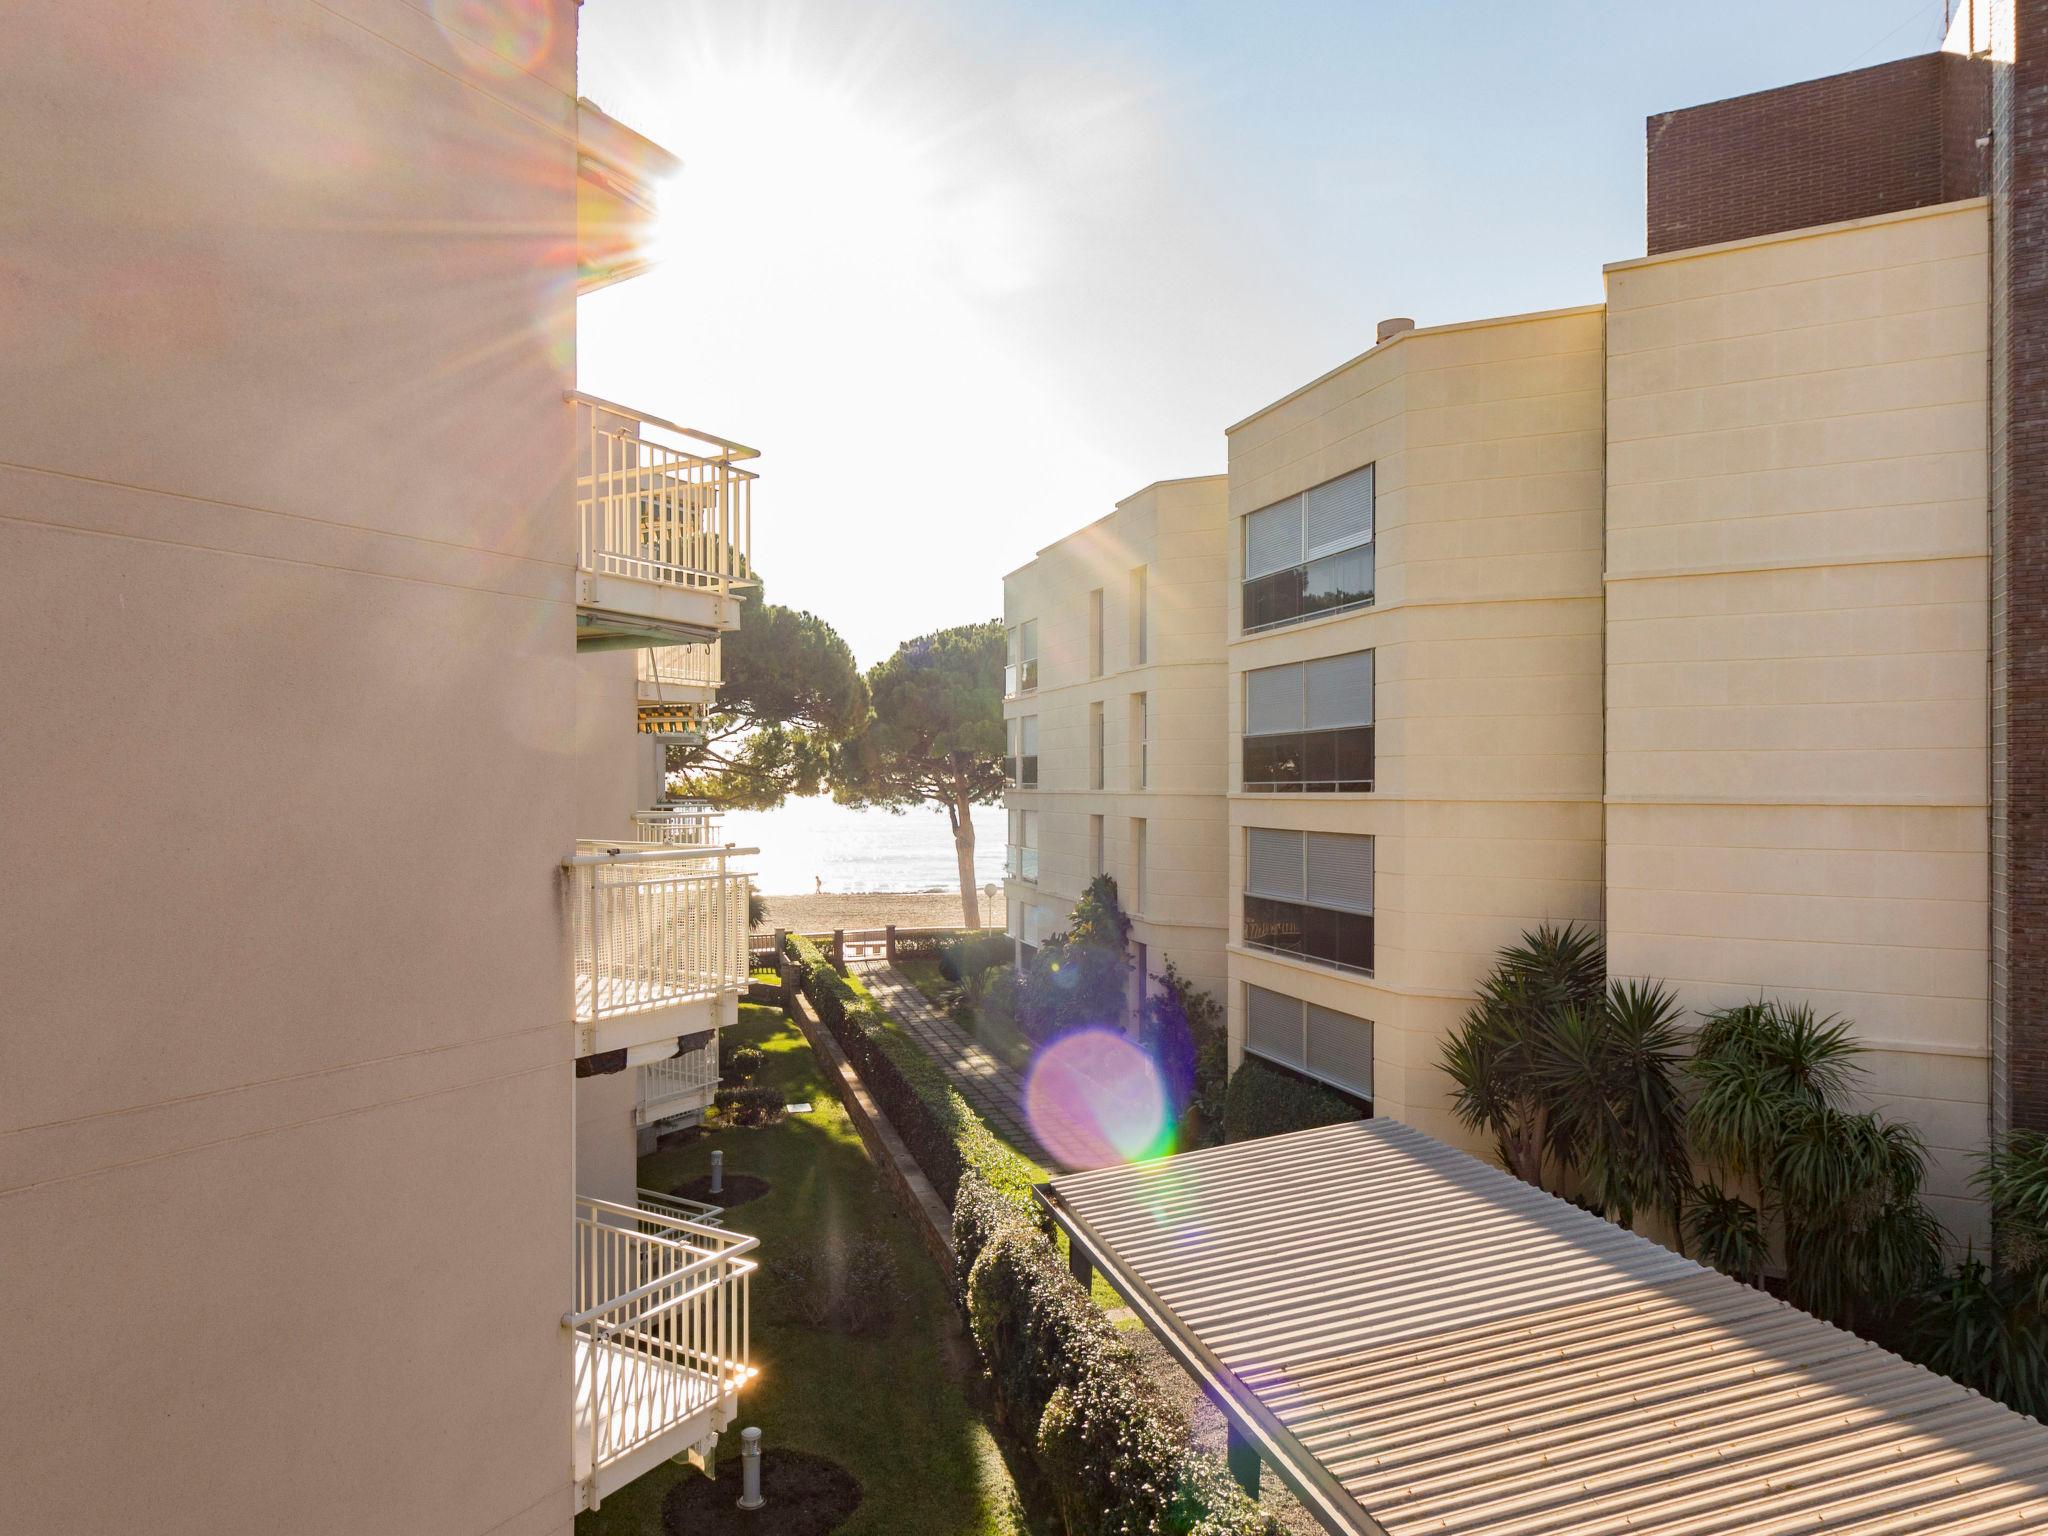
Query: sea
850, 850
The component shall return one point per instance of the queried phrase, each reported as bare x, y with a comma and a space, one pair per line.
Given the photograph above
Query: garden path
994, 1089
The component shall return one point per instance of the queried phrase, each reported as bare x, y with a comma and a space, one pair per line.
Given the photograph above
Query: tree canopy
933, 735
792, 691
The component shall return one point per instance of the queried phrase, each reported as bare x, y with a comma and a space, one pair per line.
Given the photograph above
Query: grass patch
890, 1407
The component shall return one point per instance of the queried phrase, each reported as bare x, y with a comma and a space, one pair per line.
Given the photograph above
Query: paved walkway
995, 1090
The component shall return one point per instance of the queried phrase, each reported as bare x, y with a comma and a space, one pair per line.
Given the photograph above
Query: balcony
1020, 863
618, 180
665, 529
671, 674
660, 1333
1020, 677
677, 1085
658, 944
672, 722
690, 825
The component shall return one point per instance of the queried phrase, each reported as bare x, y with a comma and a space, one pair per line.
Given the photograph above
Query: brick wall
1879, 140
2026, 568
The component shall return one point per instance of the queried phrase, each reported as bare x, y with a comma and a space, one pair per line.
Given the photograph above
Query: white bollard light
750, 1469
718, 1173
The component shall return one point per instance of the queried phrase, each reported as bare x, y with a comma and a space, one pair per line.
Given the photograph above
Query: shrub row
943, 1134
962, 960
1114, 1454
1268, 1100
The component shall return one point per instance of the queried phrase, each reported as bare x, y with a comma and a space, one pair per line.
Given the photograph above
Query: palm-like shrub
1607, 1078
1988, 1331
2013, 1176
1492, 1058
1841, 1190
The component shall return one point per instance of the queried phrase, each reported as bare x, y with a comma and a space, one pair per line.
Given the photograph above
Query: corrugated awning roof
1417, 1342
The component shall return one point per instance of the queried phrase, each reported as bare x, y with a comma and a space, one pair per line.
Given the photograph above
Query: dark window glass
1310, 760
1338, 581
1314, 933
1027, 771
1274, 599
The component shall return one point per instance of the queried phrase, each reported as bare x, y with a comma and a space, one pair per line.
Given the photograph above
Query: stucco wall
298, 739
1174, 530
1486, 634
1796, 651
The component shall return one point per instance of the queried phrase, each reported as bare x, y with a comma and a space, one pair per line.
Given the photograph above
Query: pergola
1418, 1343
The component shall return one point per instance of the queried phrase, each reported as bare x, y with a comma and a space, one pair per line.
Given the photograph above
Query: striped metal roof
1417, 1342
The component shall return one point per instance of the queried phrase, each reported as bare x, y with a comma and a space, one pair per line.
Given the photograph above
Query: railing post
839, 948
889, 943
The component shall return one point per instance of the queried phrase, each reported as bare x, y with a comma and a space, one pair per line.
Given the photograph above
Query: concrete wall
298, 737
1796, 643
1486, 634
1174, 531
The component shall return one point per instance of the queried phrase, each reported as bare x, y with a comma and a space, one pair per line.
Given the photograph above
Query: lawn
1000, 1039
891, 1407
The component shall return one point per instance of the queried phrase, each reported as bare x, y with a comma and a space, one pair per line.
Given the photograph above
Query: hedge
1116, 1458
943, 1134
1268, 1100
963, 959
1114, 1454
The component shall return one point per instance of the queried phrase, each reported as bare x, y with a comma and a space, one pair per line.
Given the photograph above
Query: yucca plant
1857, 1239
1988, 1331
1727, 1232
1493, 1055
1753, 1064
2013, 1177
1607, 1076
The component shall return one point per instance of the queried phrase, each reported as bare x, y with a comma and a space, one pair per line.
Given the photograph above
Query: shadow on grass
894, 1407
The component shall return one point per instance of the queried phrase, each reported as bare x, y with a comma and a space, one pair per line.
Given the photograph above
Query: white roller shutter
1339, 514
1028, 735
1272, 538
1340, 1049
1340, 691
1339, 871
1272, 700
1273, 864
1272, 1026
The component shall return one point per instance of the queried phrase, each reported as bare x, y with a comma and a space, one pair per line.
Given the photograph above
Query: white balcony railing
659, 512
680, 826
652, 929
680, 671
661, 1339
676, 1208
677, 1085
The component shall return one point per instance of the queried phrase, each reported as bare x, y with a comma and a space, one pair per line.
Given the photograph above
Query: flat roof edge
1121, 501
1527, 317
1803, 232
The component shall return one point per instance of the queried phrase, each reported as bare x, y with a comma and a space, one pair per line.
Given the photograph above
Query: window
1021, 859
1335, 1047
1308, 726
1309, 894
1141, 741
1097, 756
1095, 633
1310, 554
1021, 766
1021, 675
1095, 865
1138, 861
1140, 618
1140, 986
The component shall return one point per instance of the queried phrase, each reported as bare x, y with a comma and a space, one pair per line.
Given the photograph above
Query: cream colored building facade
1797, 631
320, 602
1473, 453
1678, 621
1115, 711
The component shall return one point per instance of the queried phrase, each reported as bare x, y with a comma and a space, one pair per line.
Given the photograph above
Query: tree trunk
960, 811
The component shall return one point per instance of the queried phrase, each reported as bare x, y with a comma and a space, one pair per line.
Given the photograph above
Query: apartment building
333, 960
1114, 708
1682, 614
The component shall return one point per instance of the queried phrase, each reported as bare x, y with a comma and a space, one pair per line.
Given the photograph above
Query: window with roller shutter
1311, 554
1310, 895
1308, 726
1318, 1042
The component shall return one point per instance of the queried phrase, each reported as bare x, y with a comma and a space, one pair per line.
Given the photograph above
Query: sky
968, 273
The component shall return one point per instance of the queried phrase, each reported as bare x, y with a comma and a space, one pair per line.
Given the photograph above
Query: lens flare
1094, 1098
517, 33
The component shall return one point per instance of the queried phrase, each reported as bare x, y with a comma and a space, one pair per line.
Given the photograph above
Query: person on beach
819, 882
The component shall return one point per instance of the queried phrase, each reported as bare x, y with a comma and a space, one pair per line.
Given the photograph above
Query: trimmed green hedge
1115, 1456
962, 960
943, 1134
1268, 1100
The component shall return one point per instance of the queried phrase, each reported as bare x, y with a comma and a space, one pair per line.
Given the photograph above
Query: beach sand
807, 913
